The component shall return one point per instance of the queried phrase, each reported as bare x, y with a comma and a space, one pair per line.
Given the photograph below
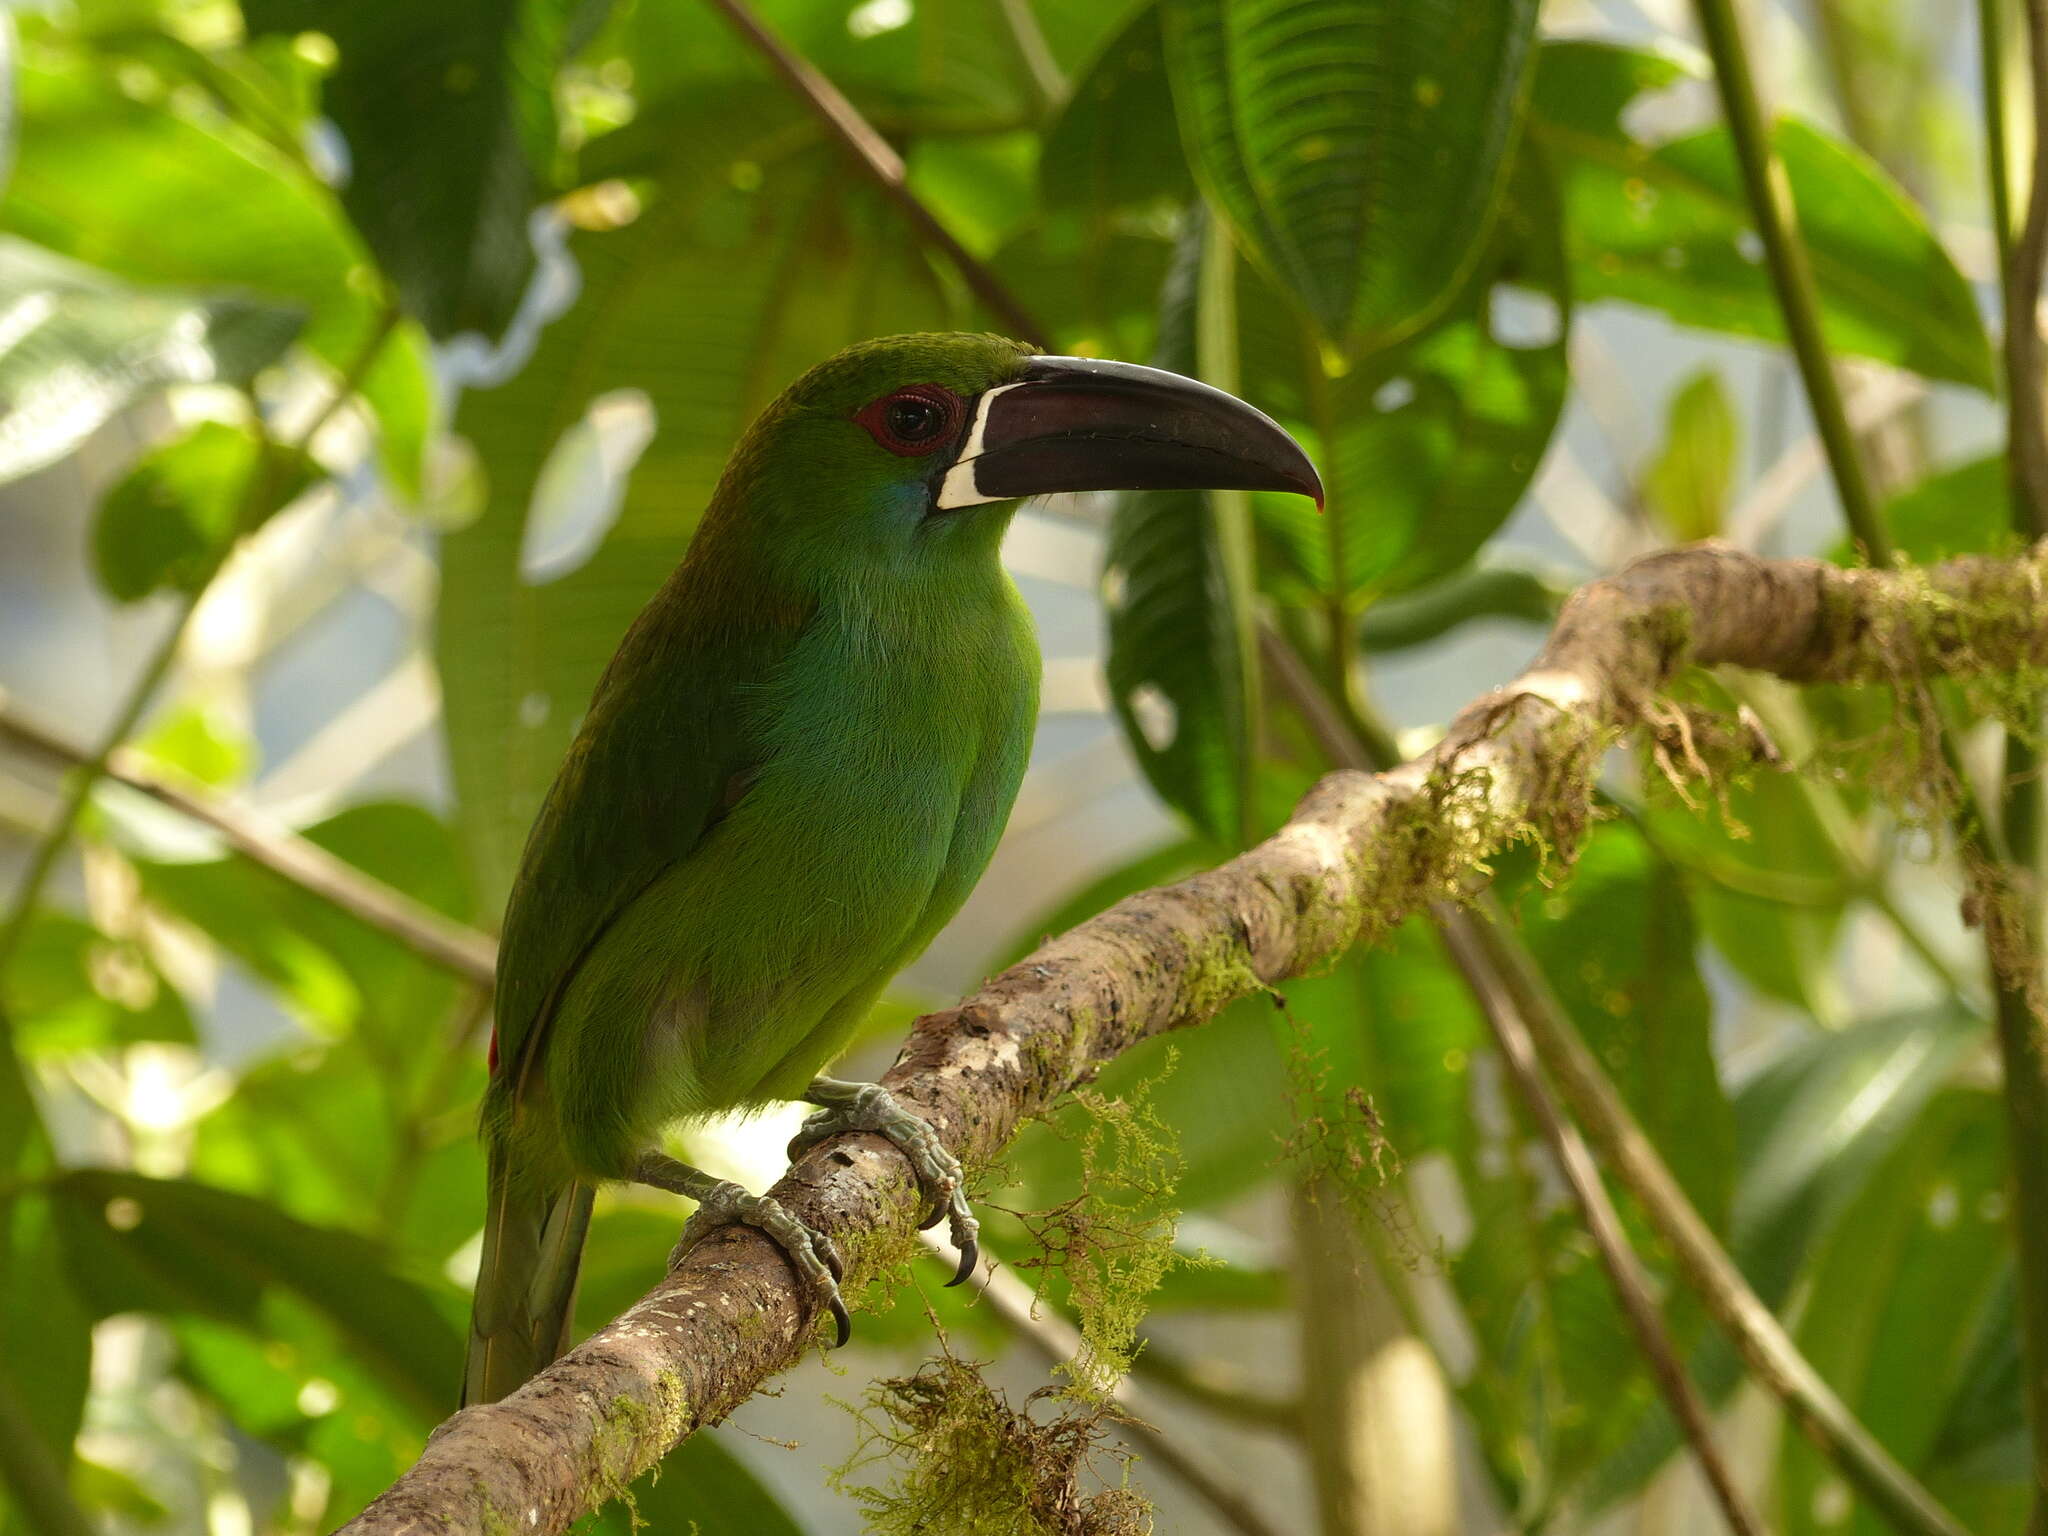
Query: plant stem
1487, 936
881, 162
1230, 513
1377, 1420
2014, 939
1770, 199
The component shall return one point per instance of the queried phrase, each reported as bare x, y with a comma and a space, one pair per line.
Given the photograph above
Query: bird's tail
526, 1283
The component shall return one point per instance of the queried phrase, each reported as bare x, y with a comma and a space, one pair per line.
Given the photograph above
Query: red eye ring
913, 421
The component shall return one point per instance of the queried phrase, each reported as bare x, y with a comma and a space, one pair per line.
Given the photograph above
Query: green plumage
790, 777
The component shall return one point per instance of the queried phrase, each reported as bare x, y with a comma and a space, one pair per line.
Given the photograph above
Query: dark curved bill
1079, 424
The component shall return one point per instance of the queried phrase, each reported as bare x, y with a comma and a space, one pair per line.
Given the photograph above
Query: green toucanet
791, 775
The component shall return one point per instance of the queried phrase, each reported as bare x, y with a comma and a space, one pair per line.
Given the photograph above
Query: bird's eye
913, 421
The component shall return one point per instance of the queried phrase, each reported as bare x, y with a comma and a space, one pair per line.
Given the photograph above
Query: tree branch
1361, 853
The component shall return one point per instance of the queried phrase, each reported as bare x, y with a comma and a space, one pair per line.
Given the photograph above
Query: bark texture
1361, 853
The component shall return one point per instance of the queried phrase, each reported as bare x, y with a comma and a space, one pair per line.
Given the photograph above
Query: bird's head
927, 442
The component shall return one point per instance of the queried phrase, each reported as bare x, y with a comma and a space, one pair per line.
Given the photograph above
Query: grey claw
840, 1320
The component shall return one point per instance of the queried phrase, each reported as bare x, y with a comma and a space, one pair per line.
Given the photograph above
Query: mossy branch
1363, 852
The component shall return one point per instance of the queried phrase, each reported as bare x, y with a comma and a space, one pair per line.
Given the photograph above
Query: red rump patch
492, 1059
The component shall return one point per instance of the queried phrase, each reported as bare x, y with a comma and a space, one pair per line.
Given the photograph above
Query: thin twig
1056, 1341
1353, 748
1777, 221
881, 162
427, 933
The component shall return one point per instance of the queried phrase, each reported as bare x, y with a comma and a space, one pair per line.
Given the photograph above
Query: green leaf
1769, 893
1962, 510
45, 1350
1913, 1271
1173, 665
154, 194
156, 190
80, 347
1687, 484
1815, 1124
754, 259
1426, 447
1665, 223
1114, 151
472, 79
1494, 586
1617, 942
71, 988
171, 1246
702, 1487
1357, 147
175, 516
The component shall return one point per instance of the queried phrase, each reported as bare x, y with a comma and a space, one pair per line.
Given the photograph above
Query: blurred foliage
546, 258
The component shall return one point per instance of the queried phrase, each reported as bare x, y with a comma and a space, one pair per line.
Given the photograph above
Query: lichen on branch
1361, 854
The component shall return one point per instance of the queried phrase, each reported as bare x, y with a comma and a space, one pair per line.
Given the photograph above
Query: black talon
938, 1215
844, 1321
968, 1255
830, 1252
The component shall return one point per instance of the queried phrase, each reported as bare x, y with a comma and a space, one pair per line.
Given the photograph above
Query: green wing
662, 755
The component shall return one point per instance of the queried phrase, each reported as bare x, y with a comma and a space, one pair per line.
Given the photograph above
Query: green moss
1113, 1242
960, 1459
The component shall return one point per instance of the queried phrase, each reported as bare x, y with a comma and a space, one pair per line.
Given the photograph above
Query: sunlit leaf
1686, 485
1665, 222
155, 195
71, 988
76, 347
1357, 149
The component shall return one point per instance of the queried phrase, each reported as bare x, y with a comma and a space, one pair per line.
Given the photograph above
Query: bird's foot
722, 1203
871, 1107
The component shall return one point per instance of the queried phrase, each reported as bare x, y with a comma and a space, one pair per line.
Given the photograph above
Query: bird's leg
871, 1107
722, 1203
